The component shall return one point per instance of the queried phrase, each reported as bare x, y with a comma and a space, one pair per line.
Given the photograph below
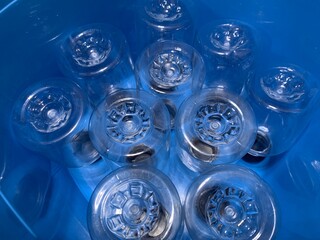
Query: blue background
30, 31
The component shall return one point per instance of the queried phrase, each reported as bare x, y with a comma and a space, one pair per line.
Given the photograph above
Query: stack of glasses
155, 140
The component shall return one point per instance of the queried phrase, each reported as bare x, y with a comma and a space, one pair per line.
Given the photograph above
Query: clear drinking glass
162, 19
214, 127
52, 117
177, 171
97, 55
135, 203
283, 98
228, 48
131, 127
170, 70
230, 202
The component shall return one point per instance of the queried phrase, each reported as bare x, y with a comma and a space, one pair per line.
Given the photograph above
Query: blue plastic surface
31, 31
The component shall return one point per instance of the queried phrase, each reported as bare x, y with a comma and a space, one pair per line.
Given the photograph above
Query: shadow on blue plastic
24, 191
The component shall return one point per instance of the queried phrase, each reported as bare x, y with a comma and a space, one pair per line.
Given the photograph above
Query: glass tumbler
97, 55
228, 48
52, 117
230, 202
170, 70
283, 99
131, 127
135, 203
214, 127
162, 19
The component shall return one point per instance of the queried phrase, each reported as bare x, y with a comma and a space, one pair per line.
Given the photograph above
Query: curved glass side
134, 203
230, 202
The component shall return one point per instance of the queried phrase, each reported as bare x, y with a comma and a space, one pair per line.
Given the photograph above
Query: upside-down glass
97, 55
228, 48
135, 203
52, 117
230, 202
161, 19
131, 127
214, 127
170, 70
283, 99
